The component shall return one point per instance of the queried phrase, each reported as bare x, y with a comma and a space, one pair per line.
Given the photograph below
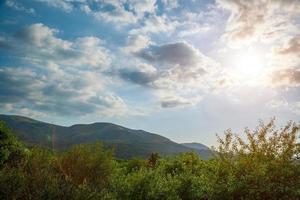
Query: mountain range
127, 143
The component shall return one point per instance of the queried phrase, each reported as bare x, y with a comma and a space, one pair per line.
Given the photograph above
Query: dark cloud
13, 89
171, 104
173, 64
146, 55
179, 53
177, 102
138, 77
4, 44
170, 69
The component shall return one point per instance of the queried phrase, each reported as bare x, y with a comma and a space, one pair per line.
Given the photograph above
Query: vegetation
127, 143
265, 165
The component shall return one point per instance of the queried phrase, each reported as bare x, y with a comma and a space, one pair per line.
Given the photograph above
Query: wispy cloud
262, 20
19, 7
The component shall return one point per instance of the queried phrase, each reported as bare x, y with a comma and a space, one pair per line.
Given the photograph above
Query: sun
248, 65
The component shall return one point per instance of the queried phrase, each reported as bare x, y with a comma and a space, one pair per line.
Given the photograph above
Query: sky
184, 69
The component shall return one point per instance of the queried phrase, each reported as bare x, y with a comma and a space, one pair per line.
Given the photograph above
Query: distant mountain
126, 142
195, 145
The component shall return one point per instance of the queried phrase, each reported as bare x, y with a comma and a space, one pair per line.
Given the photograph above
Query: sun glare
248, 65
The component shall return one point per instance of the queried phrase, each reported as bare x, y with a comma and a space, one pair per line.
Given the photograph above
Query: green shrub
11, 150
87, 165
264, 166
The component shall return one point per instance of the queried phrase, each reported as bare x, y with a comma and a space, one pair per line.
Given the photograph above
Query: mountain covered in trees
265, 165
127, 143
195, 145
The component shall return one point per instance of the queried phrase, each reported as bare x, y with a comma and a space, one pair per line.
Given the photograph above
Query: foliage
264, 166
127, 143
89, 165
11, 150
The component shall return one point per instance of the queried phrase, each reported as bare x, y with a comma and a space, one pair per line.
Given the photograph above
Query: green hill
126, 142
195, 145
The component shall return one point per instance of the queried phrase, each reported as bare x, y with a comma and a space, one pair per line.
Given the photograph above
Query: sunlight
248, 65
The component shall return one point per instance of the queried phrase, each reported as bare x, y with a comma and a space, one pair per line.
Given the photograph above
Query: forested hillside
127, 143
265, 166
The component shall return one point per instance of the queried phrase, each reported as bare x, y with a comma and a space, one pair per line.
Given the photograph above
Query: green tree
89, 165
135, 164
11, 150
265, 166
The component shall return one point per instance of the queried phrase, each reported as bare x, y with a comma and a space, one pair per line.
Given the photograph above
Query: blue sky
183, 69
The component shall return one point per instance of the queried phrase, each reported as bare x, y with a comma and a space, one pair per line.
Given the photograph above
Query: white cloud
282, 57
277, 103
296, 108
66, 5
140, 7
122, 12
55, 90
170, 4
155, 24
289, 77
52, 83
178, 73
118, 16
39, 42
282, 105
136, 43
285, 62
18, 6
291, 47
261, 20
193, 31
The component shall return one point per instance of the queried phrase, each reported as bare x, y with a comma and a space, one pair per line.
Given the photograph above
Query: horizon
151, 132
185, 70
104, 122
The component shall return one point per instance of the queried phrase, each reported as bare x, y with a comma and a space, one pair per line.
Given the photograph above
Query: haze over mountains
195, 145
127, 143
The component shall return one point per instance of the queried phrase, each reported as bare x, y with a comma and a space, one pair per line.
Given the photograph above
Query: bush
86, 165
11, 150
265, 166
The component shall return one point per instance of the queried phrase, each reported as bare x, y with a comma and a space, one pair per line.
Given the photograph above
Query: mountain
126, 142
195, 145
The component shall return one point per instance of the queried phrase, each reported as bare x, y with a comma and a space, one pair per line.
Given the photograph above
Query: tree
262, 167
11, 150
152, 161
89, 165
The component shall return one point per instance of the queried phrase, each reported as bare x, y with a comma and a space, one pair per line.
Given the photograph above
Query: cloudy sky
185, 69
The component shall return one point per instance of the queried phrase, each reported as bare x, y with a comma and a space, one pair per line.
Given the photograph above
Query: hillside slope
195, 145
126, 142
